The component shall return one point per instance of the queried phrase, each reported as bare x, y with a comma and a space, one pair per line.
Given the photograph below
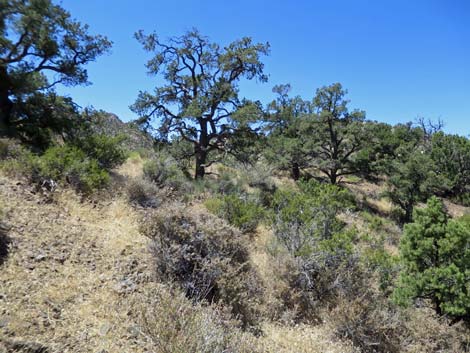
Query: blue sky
399, 59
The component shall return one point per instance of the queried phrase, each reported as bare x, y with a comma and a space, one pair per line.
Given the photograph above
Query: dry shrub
430, 333
370, 322
174, 324
10, 148
375, 325
317, 277
207, 258
143, 192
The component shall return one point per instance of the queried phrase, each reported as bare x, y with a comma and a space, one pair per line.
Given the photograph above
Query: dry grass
302, 339
132, 168
455, 210
79, 276
71, 273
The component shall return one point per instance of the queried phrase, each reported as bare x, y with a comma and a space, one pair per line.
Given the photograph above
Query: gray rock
105, 328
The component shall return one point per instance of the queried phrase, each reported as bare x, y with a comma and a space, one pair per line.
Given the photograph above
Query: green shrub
70, 164
465, 219
435, 254
310, 212
16, 160
323, 264
381, 263
239, 212
108, 151
165, 172
462, 199
207, 258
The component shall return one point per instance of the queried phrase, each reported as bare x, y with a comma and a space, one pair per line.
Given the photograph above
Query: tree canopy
336, 135
40, 47
436, 255
286, 143
199, 100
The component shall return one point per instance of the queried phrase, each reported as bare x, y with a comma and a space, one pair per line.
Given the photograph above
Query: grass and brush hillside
213, 223
246, 260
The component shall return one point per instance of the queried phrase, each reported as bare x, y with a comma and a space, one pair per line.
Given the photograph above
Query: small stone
125, 286
133, 331
105, 328
4, 322
40, 257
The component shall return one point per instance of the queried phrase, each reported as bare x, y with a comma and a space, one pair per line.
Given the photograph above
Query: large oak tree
198, 99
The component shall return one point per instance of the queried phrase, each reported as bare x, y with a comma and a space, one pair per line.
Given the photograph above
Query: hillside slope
71, 273
77, 271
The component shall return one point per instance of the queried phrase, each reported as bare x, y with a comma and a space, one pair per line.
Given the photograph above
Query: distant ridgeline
109, 124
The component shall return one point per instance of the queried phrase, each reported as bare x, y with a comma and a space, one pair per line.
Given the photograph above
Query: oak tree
199, 97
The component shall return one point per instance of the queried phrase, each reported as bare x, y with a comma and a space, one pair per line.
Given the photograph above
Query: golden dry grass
72, 272
302, 339
132, 168
78, 273
77, 270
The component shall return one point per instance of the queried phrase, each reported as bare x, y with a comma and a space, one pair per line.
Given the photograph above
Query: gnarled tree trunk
6, 105
295, 171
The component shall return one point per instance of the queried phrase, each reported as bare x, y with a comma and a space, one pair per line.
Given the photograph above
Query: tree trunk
295, 171
6, 105
201, 157
333, 176
201, 150
408, 213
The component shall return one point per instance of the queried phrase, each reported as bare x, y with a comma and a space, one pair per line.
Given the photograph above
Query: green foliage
286, 140
451, 157
435, 252
238, 211
199, 100
108, 151
45, 118
70, 164
323, 264
164, 172
64, 164
412, 179
309, 213
38, 38
336, 135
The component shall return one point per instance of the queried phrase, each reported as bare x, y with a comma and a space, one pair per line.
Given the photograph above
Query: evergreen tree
40, 47
435, 252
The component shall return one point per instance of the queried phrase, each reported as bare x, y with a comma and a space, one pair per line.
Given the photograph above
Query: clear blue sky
399, 59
